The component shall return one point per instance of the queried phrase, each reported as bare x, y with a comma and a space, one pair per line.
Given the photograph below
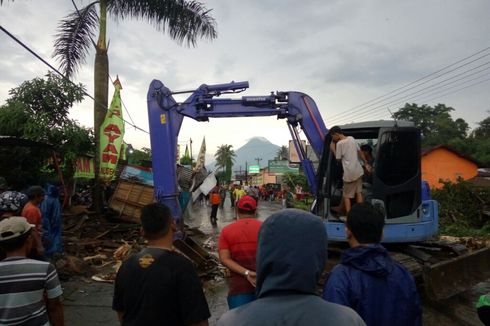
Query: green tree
483, 129
184, 21
293, 179
435, 123
478, 143
139, 157
38, 110
438, 128
225, 157
282, 153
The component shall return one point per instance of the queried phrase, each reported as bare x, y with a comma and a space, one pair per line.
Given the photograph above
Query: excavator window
397, 159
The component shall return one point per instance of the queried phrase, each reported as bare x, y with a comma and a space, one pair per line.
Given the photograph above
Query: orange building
442, 162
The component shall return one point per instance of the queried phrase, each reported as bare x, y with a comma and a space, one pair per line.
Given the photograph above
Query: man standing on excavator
346, 150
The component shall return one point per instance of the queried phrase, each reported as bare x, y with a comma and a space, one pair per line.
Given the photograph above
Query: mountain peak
258, 139
257, 151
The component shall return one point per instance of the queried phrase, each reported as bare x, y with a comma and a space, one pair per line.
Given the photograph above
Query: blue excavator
395, 187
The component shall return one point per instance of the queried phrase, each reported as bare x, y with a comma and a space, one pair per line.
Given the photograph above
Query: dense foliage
293, 180
438, 128
464, 208
140, 157
38, 110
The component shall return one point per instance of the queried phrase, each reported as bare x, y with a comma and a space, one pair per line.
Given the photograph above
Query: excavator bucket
447, 278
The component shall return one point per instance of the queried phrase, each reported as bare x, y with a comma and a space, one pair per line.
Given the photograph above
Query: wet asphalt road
89, 303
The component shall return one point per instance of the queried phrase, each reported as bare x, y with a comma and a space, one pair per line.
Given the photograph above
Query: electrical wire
406, 87
444, 93
3, 29
424, 91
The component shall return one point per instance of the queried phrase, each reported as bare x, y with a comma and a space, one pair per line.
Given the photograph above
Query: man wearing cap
237, 248
30, 289
347, 151
290, 260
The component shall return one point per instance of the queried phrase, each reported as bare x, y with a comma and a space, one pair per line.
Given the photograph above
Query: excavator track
445, 268
441, 268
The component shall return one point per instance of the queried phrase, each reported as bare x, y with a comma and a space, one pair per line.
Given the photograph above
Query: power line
445, 92
429, 89
58, 72
406, 87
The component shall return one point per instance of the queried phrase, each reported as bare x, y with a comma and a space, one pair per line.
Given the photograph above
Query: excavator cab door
396, 178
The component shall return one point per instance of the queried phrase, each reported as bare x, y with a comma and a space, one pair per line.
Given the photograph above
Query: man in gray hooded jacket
290, 258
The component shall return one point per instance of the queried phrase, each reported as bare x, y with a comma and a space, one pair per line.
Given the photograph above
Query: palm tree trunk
101, 95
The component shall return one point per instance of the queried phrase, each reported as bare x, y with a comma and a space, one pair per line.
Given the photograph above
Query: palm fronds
185, 21
73, 39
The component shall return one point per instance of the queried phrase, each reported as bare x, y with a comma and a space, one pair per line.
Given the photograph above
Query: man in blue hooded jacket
368, 280
51, 221
291, 256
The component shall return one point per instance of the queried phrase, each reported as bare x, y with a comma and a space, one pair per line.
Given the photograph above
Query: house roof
428, 150
17, 141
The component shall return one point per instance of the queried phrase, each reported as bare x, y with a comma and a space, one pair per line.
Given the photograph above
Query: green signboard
254, 169
84, 168
281, 167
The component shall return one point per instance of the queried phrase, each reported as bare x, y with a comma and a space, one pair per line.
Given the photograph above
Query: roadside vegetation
464, 209
37, 110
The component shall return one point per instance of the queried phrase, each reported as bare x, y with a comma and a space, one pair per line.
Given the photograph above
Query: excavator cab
393, 185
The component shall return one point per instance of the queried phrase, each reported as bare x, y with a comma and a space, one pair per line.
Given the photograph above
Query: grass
461, 229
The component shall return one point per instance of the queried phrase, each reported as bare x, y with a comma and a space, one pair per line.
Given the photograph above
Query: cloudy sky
342, 53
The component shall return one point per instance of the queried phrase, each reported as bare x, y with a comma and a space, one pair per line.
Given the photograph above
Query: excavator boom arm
166, 115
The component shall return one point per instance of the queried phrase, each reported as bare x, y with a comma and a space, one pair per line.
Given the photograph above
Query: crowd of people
274, 265
30, 233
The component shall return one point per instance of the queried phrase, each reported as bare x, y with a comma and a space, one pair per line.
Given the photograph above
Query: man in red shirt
237, 249
32, 213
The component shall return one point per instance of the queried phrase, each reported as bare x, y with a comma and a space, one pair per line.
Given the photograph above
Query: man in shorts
346, 150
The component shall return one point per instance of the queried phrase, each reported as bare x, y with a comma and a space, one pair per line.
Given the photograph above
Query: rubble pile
95, 247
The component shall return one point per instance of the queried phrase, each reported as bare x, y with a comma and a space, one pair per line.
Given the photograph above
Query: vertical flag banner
202, 156
111, 135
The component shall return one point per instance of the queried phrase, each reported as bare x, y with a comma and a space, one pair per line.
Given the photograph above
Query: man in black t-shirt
158, 286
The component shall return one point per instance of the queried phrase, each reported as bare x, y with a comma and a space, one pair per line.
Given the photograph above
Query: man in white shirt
347, 151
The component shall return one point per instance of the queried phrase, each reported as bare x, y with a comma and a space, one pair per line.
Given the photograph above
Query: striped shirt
23, 284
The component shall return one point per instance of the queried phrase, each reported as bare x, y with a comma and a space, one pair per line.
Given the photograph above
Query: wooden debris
98, 256
122, 251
